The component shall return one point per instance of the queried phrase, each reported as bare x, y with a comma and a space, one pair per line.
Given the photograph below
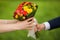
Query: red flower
17, 11
20, 7
14, 14
21, 11
24, 13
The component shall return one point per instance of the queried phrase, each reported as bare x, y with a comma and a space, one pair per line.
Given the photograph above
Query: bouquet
24, 11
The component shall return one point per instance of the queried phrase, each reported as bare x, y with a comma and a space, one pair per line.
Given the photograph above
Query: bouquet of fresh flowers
25, 11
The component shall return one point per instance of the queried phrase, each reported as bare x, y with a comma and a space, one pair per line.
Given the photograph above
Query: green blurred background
47, 10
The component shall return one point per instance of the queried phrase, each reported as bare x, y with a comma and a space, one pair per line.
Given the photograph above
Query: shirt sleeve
47, 25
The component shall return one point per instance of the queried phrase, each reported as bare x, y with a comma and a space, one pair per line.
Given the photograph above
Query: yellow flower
34, 4
23, 17
16, 16
34, 8
29, 10
25, 7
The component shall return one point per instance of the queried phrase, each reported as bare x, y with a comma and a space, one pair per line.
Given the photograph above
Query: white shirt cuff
47, 25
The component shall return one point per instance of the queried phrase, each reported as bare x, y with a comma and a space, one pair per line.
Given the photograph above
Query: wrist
43, 26
40, 27
16, 26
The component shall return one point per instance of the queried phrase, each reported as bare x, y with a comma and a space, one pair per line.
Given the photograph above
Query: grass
47, 10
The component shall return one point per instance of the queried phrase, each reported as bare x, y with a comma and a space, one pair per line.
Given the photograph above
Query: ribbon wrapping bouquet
24, 11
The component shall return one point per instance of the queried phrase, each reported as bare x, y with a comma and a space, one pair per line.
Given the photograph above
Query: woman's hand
27, 24
15, 25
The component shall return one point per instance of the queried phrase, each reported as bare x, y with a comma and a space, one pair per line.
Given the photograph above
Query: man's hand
40, 27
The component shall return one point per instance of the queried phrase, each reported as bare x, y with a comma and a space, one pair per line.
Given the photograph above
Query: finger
29, 19
38, 26
31, 22
31, 25
35, 29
